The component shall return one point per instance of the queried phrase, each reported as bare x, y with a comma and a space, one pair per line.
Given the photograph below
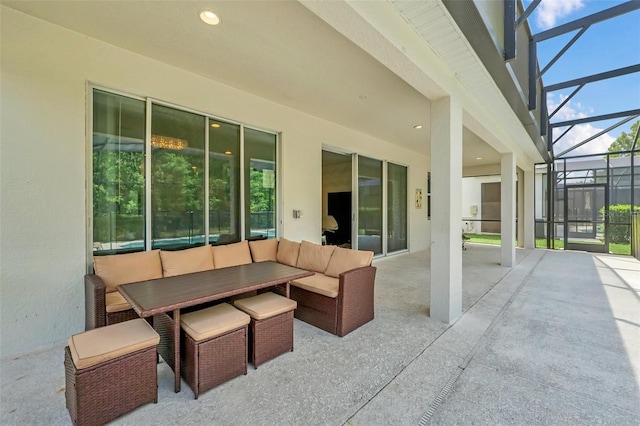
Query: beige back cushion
288, 252
127, 268
314, 257
231, 255
180, 262
263, 250
343, 260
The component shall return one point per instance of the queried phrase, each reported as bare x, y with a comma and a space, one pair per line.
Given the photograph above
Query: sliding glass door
369, 204
396, 207
364, 203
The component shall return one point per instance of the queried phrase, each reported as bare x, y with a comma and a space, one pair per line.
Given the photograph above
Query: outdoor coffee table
170, 294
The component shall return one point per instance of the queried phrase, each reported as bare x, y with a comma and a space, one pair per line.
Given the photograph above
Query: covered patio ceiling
280, 51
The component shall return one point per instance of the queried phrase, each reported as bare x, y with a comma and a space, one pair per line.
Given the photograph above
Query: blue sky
605, 46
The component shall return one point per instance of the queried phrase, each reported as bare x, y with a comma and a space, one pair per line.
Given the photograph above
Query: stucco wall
43, 219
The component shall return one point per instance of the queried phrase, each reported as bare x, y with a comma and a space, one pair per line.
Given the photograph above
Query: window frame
208, 118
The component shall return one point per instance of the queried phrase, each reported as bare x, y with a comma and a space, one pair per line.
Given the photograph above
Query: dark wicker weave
105, 391
341, 315
96, 314
164, 326
154, 298
208, 363
270, 337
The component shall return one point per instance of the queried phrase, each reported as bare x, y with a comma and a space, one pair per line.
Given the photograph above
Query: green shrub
619, 214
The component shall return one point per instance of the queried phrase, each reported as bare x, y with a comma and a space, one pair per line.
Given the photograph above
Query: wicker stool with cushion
271, 330
110, 371
214, 346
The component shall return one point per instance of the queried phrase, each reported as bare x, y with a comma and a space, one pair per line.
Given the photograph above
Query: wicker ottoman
214, 346
271, 327
110, 371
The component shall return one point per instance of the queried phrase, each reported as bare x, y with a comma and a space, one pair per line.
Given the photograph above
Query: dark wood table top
169, 293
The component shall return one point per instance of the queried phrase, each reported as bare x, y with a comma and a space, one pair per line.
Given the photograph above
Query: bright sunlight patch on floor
620, 278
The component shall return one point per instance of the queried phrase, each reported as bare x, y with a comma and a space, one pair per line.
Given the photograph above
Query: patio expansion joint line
434, 340
446, 389
394, 377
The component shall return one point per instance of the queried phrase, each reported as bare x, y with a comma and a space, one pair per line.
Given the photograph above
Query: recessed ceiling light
227, 152
478, 158
208, 17
418, 126
215, 125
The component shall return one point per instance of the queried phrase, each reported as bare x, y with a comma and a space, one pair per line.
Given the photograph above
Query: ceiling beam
595, 77
612, 12
631, 112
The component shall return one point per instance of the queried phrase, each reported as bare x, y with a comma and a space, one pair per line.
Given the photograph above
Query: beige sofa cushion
104, 343
343, 260
231, 255
264, 250
187, 261
288, 252
319, 283
115, 302
214, 321
314, 257
265, 305
127, 268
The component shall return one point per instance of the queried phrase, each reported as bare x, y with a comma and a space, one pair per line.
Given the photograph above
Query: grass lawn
615, 248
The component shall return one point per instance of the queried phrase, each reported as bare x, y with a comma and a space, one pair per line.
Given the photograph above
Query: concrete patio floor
554, 340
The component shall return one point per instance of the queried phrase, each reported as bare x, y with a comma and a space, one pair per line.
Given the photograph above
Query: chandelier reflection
167, 142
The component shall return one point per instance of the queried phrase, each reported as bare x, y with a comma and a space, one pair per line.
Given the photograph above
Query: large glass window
195, 168
369, 204
396, 207
118, 172
260, 183
177, 178
224, 182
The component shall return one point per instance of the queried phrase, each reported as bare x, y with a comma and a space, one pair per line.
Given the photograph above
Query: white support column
508, 209
446, 210
520, 208
529, 209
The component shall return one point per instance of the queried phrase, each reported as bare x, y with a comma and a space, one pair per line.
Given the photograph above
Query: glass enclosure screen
396, 207
636, 186
118, 173
224, 182
260, 184
369, 204
177, 178
620, 202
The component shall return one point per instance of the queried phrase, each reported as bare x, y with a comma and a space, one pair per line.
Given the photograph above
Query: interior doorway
339, 207
337, 200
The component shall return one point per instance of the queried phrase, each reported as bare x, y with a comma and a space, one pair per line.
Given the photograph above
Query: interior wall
471, 196
335, 178
43, 214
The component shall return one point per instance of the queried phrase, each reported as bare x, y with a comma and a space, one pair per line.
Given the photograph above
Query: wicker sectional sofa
338, 298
